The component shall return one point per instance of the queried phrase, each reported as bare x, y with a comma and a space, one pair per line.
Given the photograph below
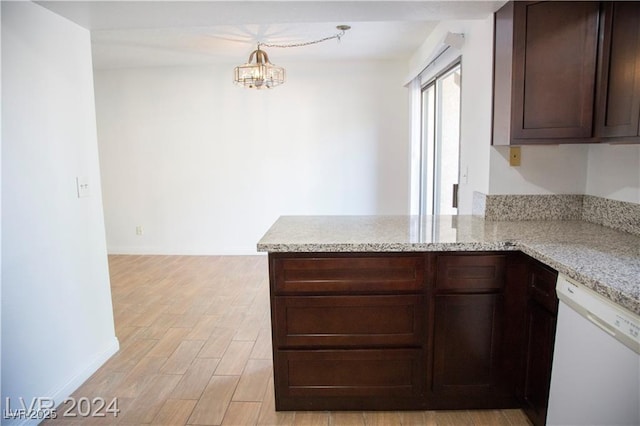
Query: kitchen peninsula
603, 259
448, 312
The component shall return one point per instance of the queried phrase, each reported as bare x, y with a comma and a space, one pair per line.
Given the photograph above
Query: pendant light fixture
260, 73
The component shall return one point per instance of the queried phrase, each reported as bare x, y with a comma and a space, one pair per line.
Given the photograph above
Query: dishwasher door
595, 378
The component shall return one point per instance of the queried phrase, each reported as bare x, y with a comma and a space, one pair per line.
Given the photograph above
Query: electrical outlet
83, 187
514, 156
139, 230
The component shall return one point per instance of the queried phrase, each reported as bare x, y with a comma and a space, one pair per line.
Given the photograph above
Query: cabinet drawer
470, 273
348, 321
349, 373
542, 287
360, 274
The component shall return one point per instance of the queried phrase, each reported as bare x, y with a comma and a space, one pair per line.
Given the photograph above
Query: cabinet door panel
619, 109
348, 321
555, 52
466, 341
541, 328
542, 286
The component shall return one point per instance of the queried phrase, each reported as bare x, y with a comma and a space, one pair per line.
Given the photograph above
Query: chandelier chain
302, 44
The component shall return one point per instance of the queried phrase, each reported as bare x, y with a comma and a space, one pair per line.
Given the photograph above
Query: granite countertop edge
537, 250
384, 247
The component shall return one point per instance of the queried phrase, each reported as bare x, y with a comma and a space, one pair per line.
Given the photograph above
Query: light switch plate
83, 187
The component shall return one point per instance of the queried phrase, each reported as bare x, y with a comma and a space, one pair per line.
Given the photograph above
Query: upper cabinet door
619, 97
544, 80
554, 69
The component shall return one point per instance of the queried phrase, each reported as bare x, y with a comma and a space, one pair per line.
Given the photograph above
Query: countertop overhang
601, 258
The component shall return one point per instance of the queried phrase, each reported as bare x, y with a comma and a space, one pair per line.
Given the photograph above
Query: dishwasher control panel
620, 323
625, 324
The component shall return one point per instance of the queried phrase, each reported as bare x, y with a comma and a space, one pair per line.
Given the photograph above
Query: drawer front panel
362, 274
348, 321
470, 273
353, 373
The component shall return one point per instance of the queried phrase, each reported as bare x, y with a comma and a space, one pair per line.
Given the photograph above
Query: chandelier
260, 73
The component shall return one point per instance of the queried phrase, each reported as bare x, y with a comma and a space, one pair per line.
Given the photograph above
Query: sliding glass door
440, 143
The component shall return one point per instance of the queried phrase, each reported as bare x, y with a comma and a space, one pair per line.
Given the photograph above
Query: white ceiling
167, 33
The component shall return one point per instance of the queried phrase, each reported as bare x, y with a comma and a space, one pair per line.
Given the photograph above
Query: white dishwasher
595, 378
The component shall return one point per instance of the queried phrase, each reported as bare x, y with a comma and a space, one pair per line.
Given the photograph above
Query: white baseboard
83, 374
168, 251
74, 382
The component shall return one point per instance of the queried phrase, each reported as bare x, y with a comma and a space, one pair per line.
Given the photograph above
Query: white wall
206, 167
475, 130
1, 393
57, 321
483, 168
614, 172
604, 170
611, 171
553, 169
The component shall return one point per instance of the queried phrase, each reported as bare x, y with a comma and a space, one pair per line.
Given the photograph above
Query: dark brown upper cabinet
619, 72
545, 66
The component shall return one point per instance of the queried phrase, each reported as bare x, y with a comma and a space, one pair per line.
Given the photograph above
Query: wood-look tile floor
195, 349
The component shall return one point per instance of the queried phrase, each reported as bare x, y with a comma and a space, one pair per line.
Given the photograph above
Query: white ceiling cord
343, 29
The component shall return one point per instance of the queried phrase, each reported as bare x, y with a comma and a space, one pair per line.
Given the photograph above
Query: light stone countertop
603, 259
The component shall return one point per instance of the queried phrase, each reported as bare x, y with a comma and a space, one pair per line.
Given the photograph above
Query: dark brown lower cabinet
348, 330
466, 356
468, 368
541, 325
410, 331
540, 333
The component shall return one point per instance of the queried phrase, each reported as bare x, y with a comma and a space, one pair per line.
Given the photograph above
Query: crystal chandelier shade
260, 74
